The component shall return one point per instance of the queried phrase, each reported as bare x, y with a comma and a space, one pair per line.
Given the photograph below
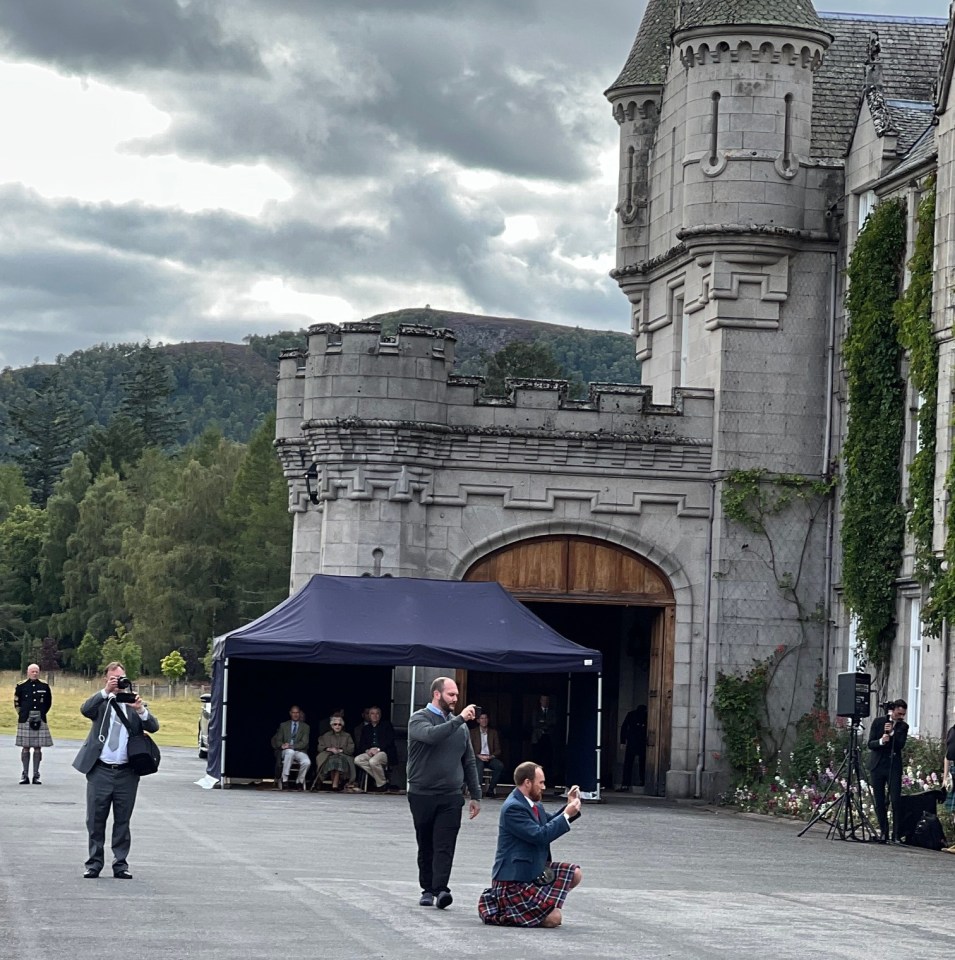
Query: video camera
888, 706
126, 692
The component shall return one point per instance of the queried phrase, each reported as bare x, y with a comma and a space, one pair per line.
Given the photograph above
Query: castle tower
722, 225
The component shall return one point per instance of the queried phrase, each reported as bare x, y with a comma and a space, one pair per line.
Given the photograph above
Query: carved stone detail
740, 289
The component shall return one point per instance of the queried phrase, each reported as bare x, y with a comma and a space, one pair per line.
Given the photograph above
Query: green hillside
231, 386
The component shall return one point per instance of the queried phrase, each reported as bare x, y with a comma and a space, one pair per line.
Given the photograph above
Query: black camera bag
142, 751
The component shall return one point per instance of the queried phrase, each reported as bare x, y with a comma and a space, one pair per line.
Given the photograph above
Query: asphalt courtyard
255, 873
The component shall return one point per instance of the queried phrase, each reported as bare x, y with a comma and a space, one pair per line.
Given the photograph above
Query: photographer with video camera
32, 699
117, 712
887, 738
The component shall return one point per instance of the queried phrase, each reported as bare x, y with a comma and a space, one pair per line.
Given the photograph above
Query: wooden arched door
573, 569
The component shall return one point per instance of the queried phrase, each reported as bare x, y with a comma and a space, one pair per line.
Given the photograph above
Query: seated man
487, 751
291, 739
527, 888
376, 745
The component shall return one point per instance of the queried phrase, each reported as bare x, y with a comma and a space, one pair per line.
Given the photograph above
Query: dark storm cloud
102, 36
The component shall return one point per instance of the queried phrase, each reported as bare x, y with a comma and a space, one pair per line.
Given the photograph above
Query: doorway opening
600, 596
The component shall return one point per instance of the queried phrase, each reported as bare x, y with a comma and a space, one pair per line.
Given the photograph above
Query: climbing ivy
913, 314
873, 524
739, 702
752, 499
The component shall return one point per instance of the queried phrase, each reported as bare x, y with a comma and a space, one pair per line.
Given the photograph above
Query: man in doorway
544, 733
527, 888
111, 783
486, 745
887, 738
32, 699
375, 748
291, 739
440, 762
633, 736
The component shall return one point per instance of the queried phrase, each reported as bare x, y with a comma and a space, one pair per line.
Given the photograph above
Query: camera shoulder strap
121, 715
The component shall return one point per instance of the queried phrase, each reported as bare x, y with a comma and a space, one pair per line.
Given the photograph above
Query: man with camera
527, 888
440, 760
886, 740
32, 699
111, 782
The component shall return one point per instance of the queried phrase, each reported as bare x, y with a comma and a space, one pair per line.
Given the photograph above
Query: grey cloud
102, 36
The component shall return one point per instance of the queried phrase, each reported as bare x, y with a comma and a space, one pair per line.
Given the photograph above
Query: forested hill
231, 386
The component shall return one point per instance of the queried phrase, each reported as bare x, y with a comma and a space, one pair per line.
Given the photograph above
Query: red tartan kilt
511, 903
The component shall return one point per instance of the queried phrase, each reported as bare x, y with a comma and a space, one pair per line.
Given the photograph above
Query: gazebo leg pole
225, 708
600, 698
410, 712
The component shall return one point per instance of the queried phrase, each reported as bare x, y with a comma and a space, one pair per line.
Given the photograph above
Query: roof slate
650, 51
908, 121
911, 48
794, 13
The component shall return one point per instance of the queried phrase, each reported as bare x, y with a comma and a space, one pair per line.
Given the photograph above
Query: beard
445, 706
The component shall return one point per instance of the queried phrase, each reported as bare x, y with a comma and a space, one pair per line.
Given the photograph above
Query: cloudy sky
206, 169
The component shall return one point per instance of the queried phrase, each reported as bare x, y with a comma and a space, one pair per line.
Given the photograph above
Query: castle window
915, 664
714, 130
788, 133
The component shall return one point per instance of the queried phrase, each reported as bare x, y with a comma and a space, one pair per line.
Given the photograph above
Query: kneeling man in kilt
527, 888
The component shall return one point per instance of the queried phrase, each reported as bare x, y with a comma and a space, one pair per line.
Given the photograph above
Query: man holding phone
528, 889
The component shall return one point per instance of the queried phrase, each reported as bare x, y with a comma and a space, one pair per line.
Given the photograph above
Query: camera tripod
844, 814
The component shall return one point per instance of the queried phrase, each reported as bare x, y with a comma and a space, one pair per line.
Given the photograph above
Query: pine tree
48, 427
146, 402
521, 359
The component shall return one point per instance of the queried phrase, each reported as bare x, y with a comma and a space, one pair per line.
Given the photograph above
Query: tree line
117, 543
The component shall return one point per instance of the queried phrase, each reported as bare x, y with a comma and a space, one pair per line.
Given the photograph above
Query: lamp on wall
311, 475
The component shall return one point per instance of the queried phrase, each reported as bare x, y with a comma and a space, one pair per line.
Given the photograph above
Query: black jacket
32, 695
886, 758
385, 736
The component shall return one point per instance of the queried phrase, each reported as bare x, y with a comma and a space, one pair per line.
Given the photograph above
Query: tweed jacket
284, 735
95, 709
493, 742
523, 840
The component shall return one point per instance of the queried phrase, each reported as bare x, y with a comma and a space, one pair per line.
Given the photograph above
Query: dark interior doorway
260, 693
622, 633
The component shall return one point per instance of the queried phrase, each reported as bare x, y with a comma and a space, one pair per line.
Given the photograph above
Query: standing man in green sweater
440, 761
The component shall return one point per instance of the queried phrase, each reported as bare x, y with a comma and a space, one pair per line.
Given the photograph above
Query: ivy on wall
913, 313
772, 507
873, 525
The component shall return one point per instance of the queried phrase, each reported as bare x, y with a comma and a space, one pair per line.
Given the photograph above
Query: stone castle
755, 136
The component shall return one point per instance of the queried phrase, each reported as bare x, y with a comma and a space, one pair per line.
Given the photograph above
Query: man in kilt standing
32, 699
527, 888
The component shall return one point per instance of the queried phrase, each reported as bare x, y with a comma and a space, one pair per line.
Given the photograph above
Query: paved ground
248, 873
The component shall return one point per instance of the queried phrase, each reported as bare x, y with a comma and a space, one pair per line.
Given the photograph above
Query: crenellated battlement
749, 49
350, 374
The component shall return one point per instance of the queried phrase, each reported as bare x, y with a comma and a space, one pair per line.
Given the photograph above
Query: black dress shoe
91, 874
37, 780
24, 779
123, 875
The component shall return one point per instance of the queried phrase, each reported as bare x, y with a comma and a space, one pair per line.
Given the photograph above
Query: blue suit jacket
523, 841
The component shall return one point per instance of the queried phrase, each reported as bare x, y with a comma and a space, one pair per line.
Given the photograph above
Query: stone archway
580, 570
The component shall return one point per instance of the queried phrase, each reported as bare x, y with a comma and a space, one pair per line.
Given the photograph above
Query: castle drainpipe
705, 675
826, 457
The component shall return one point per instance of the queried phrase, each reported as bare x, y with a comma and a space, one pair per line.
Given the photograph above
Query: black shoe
393, 788
91, 874
122, 875
24, 779
426, 899
37, 780
444, 899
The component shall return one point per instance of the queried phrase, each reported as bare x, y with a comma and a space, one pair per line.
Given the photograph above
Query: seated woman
335, 751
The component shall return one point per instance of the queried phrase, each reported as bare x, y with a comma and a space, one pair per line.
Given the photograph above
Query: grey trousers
107, 788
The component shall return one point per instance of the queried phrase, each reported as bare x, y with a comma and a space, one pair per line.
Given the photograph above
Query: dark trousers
105, 789
437, 820
495, 766
634, 752
880, 780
